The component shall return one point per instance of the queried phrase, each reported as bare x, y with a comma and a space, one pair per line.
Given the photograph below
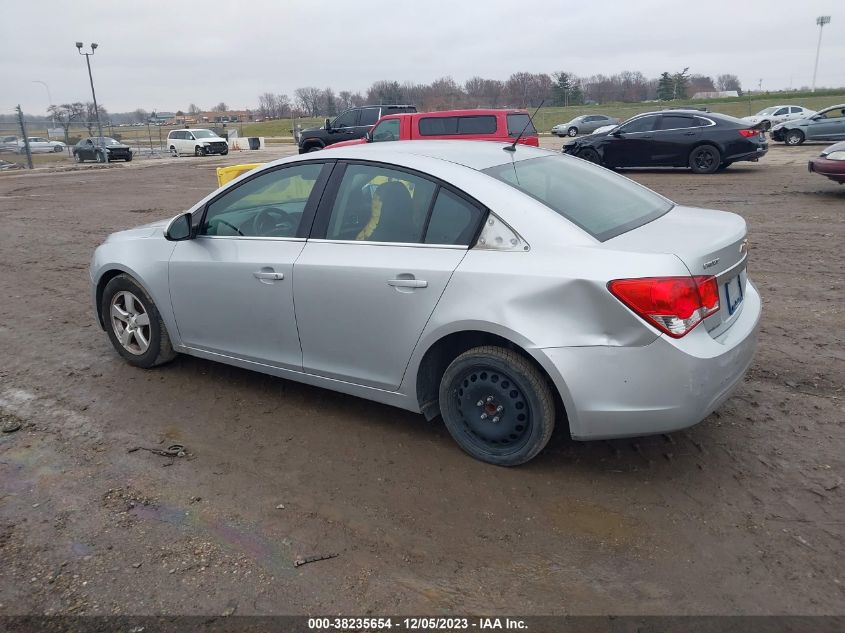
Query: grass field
546, 117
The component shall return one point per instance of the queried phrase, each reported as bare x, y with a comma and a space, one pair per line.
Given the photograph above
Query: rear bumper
612, 392
833, 169
754, 155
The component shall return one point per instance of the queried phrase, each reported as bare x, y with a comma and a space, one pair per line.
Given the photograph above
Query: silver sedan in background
503, 288
585, 124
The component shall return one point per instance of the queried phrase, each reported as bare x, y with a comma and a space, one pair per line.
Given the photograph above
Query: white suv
197, 142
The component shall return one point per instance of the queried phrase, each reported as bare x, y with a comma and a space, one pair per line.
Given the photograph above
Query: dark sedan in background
830, 163
97, 148
703, 142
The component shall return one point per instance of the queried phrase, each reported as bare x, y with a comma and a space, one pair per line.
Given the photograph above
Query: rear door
674, 136
385, 244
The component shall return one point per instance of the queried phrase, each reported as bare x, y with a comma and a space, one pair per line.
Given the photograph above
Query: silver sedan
586, 124
503, 289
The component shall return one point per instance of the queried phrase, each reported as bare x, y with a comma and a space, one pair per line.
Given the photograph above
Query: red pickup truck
469, 125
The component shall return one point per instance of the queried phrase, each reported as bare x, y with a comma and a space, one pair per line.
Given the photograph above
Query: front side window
347, 119
600, 202
386, 131
836, 113
641, 124
204, 134
269, 205
377, 204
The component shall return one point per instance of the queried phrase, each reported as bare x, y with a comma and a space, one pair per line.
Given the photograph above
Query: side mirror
618, 133
816, 118
369, 136
328, 124
180, 228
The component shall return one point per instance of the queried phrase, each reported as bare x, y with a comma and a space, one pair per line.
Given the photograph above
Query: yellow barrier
225, 174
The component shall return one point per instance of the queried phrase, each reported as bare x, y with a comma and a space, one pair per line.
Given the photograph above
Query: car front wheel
199, 151
705, 159
58, 148
101, 157
134, 324
794, 137
497, 406
77, 157
589, 154
573, 131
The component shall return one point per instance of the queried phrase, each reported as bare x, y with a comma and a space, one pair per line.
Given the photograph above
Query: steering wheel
230, 225
270, 221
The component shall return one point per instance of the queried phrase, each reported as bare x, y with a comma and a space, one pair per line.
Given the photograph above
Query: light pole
94, 94
821, 21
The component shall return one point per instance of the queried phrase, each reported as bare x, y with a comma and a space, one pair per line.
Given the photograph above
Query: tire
57, 149
101, 158
128, 160
573, 131
224, 153
78, 158
793, 137
314, 148
158, 349
705, 159
519, 419
199, 151
590, 155
173, 152
724, 166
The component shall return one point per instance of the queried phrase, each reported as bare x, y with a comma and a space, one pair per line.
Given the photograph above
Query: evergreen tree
566, 90
680, 81
665, 87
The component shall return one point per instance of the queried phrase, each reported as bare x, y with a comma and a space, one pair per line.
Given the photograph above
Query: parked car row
37, 145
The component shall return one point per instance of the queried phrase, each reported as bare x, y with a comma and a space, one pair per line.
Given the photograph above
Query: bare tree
344, 100
357, 100
729, 82
194, 109
66, 114
385, 91
221, 107
91, 116
308, 99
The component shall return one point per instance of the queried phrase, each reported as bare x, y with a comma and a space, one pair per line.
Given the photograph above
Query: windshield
595, 199
104, 140
767, 111
203, 134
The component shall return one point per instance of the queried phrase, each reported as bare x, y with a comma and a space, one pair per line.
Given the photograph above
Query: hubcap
494, 410
130, 322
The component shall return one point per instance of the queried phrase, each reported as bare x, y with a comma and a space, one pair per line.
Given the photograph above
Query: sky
165, 56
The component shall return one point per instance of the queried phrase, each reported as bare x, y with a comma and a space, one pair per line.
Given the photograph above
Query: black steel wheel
497, 405
705, 159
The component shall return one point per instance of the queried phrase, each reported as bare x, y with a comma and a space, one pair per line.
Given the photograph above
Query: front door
231, 287
674, 137
386, 247
631, 145
828, 126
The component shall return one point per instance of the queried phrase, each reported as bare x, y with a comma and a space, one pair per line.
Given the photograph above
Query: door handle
263, 275
407, 283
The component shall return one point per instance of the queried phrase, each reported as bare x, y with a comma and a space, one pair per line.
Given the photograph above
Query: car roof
473, 154
445, 113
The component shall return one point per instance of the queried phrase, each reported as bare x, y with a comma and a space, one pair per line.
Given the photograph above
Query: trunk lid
711, 243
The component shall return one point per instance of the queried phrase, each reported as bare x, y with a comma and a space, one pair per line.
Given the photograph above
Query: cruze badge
711, 263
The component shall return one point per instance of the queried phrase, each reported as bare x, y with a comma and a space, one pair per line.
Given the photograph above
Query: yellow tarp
225, 174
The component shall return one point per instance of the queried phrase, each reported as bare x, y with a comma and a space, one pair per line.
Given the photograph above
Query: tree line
520, 90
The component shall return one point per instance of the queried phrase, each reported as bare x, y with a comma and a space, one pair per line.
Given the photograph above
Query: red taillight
674, 305
749, 133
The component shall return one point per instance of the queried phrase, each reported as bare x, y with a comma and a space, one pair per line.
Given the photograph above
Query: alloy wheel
130, 322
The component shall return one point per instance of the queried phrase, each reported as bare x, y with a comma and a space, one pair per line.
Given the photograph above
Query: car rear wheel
589, 154
58, 148
77, 157
497, 406
101, 157
199, 151
573, 131
705, 159
794, 137
134, 324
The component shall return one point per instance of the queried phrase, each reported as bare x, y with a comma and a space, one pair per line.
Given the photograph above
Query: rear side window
457, 125
673, 122
517, 123
369, 116
595, 199
453, 220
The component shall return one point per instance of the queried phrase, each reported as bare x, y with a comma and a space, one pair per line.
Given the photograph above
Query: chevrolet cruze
504, 288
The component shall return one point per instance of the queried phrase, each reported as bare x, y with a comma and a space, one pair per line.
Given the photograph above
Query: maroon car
830, 163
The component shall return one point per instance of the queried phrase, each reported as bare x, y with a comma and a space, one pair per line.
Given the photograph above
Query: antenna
512, 146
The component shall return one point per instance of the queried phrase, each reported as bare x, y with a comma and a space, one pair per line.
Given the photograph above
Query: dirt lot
741, 514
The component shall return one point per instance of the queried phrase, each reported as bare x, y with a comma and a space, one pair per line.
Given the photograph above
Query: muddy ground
742, 514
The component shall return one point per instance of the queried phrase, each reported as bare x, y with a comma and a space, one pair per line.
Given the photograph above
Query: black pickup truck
348, 125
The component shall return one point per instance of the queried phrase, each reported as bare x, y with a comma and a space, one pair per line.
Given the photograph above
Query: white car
197, 142
778, 114
41, 145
